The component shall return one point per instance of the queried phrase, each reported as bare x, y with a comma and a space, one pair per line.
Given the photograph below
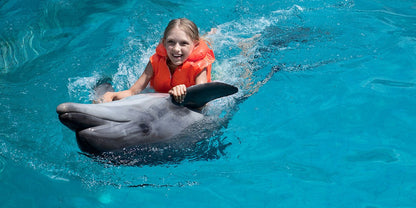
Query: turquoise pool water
325, 116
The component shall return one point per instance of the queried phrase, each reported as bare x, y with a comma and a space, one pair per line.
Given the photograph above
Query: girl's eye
181, 43
184, 43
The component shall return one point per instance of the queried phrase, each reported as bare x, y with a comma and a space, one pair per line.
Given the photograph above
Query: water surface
324, 118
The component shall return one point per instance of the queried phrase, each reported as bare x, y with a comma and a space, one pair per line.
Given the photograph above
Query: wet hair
184, 24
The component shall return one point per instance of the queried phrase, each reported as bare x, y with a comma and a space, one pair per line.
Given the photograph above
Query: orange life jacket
200, 58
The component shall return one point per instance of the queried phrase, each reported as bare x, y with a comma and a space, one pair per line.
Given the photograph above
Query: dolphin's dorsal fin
199, 95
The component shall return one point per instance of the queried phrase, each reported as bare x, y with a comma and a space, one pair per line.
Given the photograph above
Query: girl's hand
107, 97
112, 96
178, 92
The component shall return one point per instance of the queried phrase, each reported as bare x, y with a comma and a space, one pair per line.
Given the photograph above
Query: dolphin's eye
145, 128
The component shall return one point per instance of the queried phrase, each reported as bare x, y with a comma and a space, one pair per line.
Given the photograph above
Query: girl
181, 60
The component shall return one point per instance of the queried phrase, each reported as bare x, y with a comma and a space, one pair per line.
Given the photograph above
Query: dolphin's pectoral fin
199, 95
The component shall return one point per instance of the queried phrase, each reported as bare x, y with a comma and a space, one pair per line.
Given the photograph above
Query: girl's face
178, 46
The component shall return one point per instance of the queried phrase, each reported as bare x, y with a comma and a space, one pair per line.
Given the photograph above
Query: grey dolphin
141, 119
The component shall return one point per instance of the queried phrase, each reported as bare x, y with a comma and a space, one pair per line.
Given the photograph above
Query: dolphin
139, 120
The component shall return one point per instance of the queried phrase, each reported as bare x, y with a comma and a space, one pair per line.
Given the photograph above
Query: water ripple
382, 155
17, 51
392, 83
2, 164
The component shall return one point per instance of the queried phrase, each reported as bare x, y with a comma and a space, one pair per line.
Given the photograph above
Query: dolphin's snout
71, 116
62, 108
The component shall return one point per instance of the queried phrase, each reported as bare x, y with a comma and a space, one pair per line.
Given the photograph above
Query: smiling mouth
177, 57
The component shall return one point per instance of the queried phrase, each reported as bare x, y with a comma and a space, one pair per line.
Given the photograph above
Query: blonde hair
184, 24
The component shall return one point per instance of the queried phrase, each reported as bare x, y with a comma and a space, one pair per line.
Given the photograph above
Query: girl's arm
202, 77
140, 85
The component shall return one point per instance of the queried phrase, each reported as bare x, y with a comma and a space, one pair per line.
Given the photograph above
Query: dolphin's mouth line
79, 121
71, 109
98, 117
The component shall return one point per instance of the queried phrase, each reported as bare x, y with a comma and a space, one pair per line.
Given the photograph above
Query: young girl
181, 60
